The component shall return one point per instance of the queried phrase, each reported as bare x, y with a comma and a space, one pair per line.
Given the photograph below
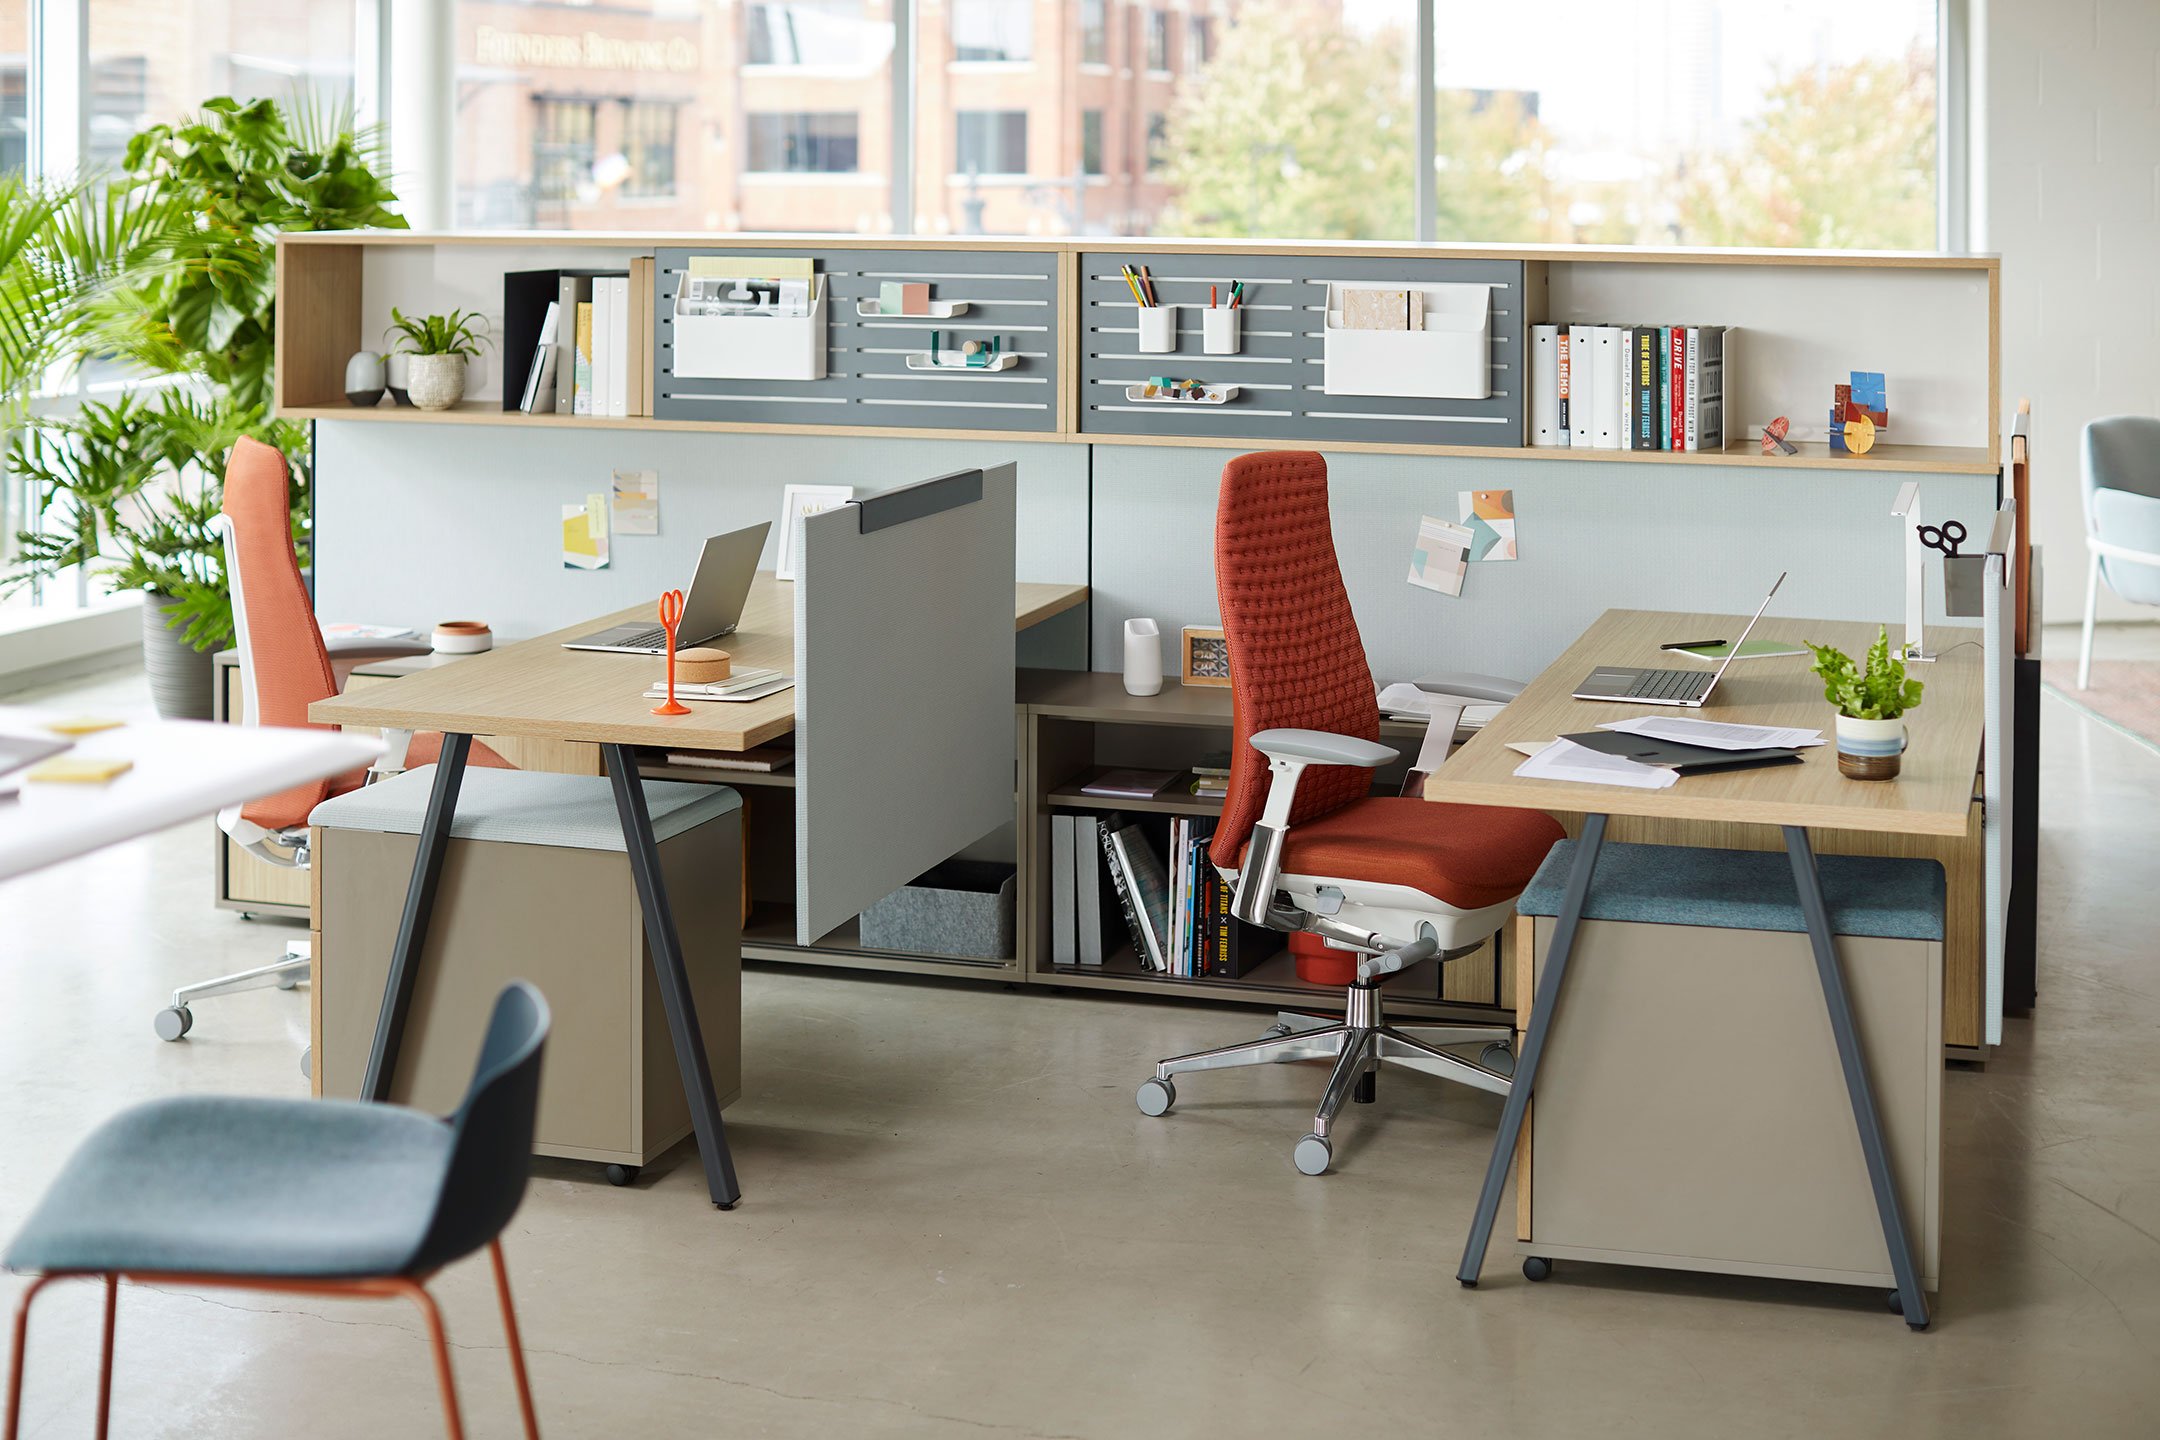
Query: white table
184, 770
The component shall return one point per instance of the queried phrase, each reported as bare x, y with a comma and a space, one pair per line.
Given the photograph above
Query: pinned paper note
637, 502
1489, 515
1439, 560
585, 534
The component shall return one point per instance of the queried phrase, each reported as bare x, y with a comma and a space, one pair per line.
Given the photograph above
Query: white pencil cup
1143, 655
1221, 330
1158, 333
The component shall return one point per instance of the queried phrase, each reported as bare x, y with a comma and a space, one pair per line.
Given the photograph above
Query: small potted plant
439, 346
1872, 702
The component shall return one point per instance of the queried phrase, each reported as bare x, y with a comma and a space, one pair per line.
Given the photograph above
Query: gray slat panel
1278, 367
1009, 292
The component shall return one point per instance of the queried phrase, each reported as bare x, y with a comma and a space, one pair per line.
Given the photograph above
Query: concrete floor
958, 1224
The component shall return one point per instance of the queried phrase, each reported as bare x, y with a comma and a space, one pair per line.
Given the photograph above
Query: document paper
1716, 734
1565, 760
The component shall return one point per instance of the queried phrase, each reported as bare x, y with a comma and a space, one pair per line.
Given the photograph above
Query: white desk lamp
1907, 507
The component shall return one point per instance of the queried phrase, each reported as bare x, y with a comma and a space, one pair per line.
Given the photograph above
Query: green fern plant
461, 332
1880, 691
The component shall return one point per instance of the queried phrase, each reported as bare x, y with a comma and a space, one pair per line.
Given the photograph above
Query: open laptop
1642, 686
712, 606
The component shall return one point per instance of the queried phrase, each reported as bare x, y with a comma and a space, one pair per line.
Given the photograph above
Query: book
1643, 360
1094, 902
1560, 361
1064, 920
1143, 890
1545, 385
639, 370
1710, 385
582, 395
1676, 380
1627, 387
603, 341
618, 345
1130, 784
1609, 371
540, 375
1664, 387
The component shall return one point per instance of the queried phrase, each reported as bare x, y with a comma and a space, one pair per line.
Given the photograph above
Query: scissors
1946, 537
671, 608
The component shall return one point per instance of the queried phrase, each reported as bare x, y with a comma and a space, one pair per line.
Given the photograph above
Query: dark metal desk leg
1526, 1064
413, 925
667, 959
1912, 1300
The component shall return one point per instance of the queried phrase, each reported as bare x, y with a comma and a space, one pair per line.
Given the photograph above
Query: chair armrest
1288, 753
1464, 685
1322, 747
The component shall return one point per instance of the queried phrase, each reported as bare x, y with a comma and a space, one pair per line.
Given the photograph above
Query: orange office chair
1382, 882
284, 668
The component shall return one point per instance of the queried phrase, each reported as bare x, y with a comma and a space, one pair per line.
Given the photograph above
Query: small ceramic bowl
463, 637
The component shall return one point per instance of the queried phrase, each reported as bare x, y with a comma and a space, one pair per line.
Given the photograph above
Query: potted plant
439, 346
1871, 734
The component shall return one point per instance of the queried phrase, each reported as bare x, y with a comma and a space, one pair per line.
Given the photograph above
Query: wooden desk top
1932, 797
538, 689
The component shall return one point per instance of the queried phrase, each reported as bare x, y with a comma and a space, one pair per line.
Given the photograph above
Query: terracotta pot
435, 382
1870, 749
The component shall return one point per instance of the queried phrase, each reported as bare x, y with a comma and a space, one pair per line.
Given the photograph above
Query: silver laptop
1642, 686
712, 606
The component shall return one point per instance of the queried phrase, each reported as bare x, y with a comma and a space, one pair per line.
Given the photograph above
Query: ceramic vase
396, 371
1870, 749
365, 379
1143, 658
435, 382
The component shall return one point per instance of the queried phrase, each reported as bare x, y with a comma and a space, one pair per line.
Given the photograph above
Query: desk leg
413, 925
1912, 1300
667, 959
1533, 1048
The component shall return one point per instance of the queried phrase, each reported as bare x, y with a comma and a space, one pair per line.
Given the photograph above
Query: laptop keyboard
1666, 685
655, 639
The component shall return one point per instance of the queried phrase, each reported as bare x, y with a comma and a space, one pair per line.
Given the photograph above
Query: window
14, 116
1091, 142
1199, 41
562, 156
1158, 134
1094, 32
813, 34
1158, 41
993, 30
991, 142
802, 143
649, 146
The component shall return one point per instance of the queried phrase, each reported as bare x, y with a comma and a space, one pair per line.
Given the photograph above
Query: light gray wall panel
420, 523
1593, 537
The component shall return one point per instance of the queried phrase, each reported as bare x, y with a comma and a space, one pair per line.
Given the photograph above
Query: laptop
712, 607
1641, 686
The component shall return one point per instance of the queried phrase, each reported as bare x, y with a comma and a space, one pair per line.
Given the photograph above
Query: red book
1676, 386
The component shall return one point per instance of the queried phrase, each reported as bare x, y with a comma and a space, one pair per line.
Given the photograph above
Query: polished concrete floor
957, 1223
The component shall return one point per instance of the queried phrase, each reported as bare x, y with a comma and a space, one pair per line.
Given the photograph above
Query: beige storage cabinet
1690, 1110
535, 886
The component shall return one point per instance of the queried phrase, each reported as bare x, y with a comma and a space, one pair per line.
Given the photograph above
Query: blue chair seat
319, 1189
1877, 895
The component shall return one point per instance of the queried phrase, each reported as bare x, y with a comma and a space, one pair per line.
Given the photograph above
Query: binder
539, 389
1064, 931
618, 346
1606, 360
1583, 403
572, 291
1563, 350
1627, 387
1545, 386
1094, 906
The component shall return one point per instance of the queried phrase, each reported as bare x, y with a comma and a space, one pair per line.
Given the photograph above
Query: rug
2124, 693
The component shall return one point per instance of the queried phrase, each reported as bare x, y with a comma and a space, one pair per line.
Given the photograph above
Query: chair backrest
283, 666
491, 1154
2122, 500
1296, 660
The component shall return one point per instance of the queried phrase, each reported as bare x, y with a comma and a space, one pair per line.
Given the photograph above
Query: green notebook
1753, 650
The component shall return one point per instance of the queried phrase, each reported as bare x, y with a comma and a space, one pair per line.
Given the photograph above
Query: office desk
1933, 797
537, 689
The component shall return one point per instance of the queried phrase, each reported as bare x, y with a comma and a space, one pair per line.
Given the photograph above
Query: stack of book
1628, 387
1211, 777
578, 342
1178, 916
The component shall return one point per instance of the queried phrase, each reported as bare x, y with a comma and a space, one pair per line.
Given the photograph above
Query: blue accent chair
317, 1197
2122, 517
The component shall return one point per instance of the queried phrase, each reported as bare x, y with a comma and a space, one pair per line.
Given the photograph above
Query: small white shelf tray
923, 362
1209, 395
939, 310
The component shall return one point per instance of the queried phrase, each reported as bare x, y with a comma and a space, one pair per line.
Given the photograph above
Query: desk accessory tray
1448, 359
959, 362
1207, 395
939, 310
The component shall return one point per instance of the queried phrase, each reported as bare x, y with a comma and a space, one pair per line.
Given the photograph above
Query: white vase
397, 367
364, 378
1870, 749
1143, 658
435, 382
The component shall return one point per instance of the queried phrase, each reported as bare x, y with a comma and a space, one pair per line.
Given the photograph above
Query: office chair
338, 1198
1384, 882
2122, 518
284, 668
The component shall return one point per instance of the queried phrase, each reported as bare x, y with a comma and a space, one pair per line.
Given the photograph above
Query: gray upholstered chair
2122, 517
316, 1197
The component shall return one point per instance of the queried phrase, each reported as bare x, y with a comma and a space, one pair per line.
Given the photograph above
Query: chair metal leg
1397, 1048
517, 1342
1299, 1022
2092, 602
253, 979
441, 1343
105, 1357
16, 1351
1457, 1034
1305, 1045
1349, 1065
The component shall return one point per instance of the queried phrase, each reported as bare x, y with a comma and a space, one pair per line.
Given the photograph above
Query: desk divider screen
1997, 785
1008, 293
904, 742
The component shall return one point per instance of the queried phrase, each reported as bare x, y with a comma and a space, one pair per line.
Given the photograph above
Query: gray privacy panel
1012, 293
904, 736
1593, 537
420, 523
1278, 367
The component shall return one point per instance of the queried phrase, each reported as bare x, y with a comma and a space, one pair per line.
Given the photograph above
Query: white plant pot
435, 382
1870, 749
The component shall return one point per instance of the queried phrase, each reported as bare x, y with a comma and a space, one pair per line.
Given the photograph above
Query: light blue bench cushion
525, 807
1882, 896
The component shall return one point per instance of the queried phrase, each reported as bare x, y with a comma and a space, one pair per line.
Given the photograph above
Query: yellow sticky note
83, 725
80, 769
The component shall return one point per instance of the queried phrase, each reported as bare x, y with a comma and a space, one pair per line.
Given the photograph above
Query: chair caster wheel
1312, 1155
288, 982
1156, 1097
1537, 1267
622, 1174
1498, 1056
173, 1022
307, 1063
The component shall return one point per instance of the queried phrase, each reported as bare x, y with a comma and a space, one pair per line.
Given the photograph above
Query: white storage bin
751, 347
1450, 359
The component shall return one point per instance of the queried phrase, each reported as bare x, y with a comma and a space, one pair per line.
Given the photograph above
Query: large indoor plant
1872, 701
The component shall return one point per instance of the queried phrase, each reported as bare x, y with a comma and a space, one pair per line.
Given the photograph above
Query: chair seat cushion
1470, 856
232, 1185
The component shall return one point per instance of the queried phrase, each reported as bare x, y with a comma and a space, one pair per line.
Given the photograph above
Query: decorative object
671, 607
364, 379
1870, 397
702, 665
904, 297
1489, 516
1161, 390
1207, 655
397, 368
439, 346
798, 503
934, 310
1143, 657
1773, 438
1872, 702
989, 354
1857, 410
462, 637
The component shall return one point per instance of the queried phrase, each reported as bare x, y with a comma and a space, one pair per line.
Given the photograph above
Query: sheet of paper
1489, 516
1565, 760
584, 534
1752, 650
1716, 734
1439, 561
637, 502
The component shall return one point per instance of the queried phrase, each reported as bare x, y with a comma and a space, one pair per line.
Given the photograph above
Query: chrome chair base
176, 1019
1359, 1044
